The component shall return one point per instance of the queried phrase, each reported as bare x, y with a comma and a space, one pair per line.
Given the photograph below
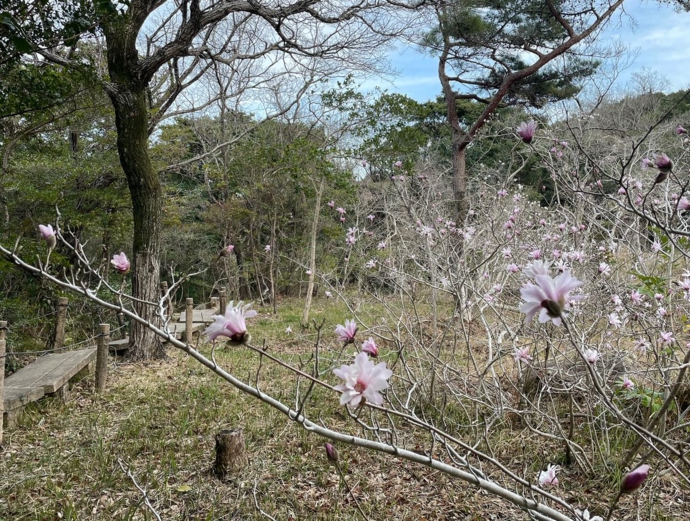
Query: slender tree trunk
459, 181
312, 254
128, 95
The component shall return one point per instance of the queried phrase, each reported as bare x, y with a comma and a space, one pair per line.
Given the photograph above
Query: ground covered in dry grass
66, 461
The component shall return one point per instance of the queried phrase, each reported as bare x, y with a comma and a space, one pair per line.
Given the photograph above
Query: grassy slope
160, 420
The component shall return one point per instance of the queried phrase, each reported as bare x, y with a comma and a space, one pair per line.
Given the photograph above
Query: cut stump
230, 453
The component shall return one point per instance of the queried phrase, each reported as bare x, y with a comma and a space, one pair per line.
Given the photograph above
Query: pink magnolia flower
591, 355
227, 250
331, 204
340, 210
46, 231
502, 193
604, 269
370, 347
347, 332
381, 245
636, 297
522, 355
534, 268
627, 384
398, 164
267, 248
362, 381
633, 480
371, 264
513, 268
371, 217
615, 320
331, 453
663, 163
535, 254
548, 297
526, 130
232, 324
328, 294
548, 476
680, 130
683, 204
121, 262
667, 338
48, 234
288, 330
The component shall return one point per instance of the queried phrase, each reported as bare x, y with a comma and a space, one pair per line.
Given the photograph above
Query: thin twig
142, 490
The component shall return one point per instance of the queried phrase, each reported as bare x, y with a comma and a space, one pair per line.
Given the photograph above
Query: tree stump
230, 453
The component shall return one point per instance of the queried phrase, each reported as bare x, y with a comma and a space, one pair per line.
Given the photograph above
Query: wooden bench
49, 374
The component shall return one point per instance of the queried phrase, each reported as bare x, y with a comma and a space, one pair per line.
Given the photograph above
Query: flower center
360, 387
553, 309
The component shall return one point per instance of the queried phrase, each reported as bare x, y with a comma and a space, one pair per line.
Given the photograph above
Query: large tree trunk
128, 95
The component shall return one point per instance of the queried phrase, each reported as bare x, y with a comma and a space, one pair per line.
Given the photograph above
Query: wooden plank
179, 329
19, 396
119, 345
204, 316
52, 371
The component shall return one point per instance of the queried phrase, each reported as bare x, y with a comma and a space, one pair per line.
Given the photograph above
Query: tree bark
128, 95
312, 254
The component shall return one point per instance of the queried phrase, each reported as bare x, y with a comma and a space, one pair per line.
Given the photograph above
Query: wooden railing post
213, 304
102, 357
3, 333
60, 319
2, 380
189, 320
223, 300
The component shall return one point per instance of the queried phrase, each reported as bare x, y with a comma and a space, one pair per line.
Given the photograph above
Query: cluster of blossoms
362, 380
119, 261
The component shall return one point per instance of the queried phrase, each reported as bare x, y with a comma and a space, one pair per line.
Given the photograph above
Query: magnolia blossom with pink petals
347, 332
48, 234
627, 384
522, 355
370, 347
591, 355
548, 476
232, 324
534, 268
633, 480
121, 262
362, 381
526, 130
548, 297
46, 231
667, 338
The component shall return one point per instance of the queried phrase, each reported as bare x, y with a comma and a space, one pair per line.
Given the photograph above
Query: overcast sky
658, 33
